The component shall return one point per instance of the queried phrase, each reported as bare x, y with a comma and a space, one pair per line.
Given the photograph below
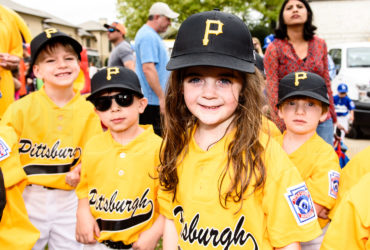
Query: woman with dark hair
296, 48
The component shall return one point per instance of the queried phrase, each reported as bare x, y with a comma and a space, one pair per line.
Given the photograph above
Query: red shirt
280, 59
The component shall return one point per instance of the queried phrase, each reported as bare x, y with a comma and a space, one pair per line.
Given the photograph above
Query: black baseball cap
48, 36
213, 38
303, 83
119, 78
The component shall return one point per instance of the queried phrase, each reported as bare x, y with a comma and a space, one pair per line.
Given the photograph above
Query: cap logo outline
299, 76
50, 31
208, 30
112, 71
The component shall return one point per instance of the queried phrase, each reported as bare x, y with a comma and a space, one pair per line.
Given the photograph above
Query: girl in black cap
224, 184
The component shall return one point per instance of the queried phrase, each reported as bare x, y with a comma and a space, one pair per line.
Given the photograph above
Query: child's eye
194, 80
49, 60
291, 103
70, 58
310, 104
224, 81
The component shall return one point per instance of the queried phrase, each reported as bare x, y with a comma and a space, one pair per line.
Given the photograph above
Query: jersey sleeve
324, 181
287, 203
13, 117
82, 187
10, 163
347, 229
93, 126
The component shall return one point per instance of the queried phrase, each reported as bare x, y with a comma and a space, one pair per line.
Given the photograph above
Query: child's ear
280, 113
36, 71
323, 116
143, 102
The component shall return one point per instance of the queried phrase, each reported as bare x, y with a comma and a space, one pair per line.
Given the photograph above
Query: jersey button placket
122, 157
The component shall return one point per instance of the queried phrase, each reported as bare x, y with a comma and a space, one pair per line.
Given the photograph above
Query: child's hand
86, 226
73, 176
8, 61
322, 212
145, 241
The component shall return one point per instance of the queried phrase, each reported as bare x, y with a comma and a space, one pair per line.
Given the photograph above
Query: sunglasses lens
103, 103
111, 30
124, 99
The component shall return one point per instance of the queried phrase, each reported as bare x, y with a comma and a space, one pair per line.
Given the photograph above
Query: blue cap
342, 88
268, 39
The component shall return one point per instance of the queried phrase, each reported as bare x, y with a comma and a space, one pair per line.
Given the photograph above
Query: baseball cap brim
112, 86
304, 93
210, 59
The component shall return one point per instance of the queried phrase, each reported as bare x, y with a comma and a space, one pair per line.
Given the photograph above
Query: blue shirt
150, 48
343, 105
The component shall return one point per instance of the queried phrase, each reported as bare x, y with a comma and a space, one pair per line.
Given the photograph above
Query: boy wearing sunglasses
117, 193
53, 124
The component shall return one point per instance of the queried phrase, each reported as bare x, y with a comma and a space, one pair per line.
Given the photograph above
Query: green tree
134, 13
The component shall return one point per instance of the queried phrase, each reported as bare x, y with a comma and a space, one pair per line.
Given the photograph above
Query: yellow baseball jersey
14, 222
51, 138
350, 226
275, 216
121, 185
11, 43
319, 167
356, 168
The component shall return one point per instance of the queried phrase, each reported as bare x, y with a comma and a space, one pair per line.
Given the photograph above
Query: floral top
281, 59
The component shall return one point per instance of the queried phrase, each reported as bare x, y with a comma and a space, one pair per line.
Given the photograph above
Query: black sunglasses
103, 103
112, 30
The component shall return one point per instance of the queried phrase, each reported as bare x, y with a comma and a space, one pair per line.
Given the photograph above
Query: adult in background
122, 54
151, 61
296, 48
11, 51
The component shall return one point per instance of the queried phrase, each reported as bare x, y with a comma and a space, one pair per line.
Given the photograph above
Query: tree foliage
134, 13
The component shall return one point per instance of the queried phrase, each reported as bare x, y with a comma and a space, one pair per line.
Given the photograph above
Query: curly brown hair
245, 152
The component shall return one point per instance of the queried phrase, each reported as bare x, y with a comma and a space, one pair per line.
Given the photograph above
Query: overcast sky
75, 11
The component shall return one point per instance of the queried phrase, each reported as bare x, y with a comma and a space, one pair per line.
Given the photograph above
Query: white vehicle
352, 62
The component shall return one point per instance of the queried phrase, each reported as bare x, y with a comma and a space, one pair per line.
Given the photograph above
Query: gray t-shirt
120, 54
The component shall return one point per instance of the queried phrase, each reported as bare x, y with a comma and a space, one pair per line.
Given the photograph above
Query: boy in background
53, 125
344, 107
303, 103
117, 194
14, 221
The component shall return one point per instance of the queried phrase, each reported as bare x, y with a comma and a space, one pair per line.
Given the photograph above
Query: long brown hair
244, 151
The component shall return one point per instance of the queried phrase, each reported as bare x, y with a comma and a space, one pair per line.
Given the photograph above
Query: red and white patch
334, 177
301, 204
4, 150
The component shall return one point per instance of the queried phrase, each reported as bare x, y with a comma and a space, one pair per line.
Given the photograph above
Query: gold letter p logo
50, 31
112, 71
299, 76
213, 32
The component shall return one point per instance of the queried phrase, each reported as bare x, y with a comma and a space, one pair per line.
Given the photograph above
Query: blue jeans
326, 131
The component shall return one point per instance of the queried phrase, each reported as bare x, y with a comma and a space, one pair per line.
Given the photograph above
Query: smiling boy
303, 103
53, 125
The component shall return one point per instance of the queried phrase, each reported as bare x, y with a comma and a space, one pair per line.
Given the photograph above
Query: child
350, 227
118, 192
303, 103
225, 185
53, 125
344, 107
14, 222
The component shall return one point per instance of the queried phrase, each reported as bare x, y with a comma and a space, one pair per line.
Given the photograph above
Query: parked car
352, 62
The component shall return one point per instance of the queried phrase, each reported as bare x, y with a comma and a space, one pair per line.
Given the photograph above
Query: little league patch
333, 183
301, 204
4, 150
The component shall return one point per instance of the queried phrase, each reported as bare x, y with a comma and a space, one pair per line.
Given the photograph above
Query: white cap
160, 8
